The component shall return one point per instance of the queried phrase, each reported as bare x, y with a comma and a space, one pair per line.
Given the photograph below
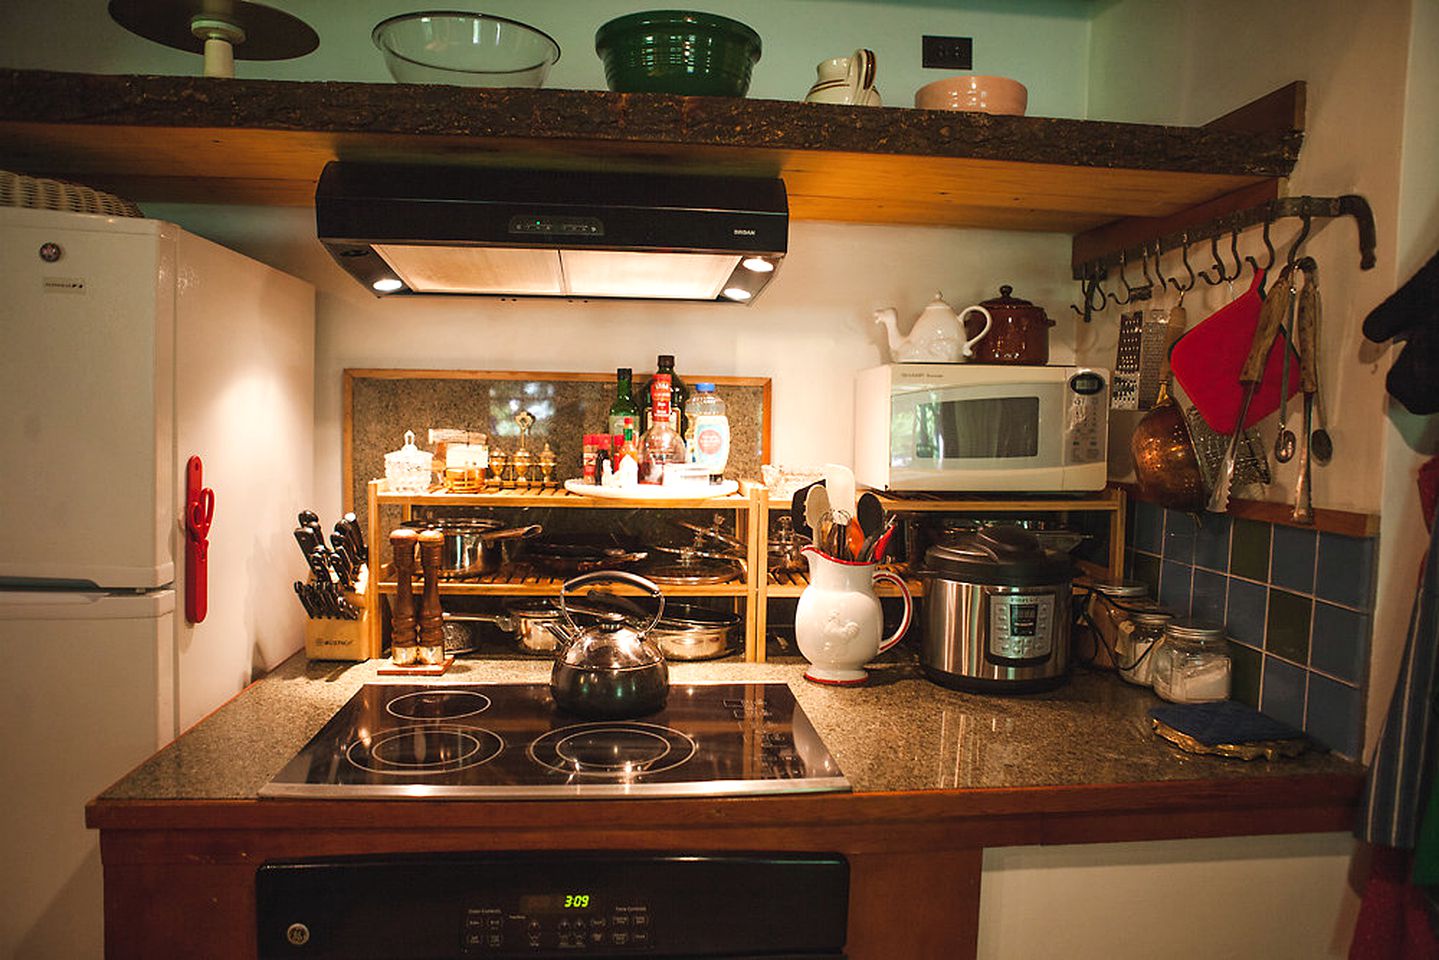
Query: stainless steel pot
536, 624
997, 613
688, 631
475, 547
610, 669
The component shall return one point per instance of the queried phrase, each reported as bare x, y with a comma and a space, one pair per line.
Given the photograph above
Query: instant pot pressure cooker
997, 612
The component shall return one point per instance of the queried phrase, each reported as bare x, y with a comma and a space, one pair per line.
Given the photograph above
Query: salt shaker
403, 649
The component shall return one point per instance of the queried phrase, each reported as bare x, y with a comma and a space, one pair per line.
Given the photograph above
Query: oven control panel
582, 922
551, 905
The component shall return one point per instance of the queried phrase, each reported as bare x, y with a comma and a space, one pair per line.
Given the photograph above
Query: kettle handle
600, 576
968, 348
898, 581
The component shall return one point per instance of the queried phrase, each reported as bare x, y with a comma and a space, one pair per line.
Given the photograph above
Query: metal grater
1251, 463
1139, 359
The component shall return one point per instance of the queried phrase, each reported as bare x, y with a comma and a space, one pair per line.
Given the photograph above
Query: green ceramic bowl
677, 51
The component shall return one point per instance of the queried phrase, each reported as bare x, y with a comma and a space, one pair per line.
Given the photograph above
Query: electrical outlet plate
947, 53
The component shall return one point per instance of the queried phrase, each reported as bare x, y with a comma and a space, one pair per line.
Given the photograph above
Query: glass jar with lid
1107, 606
1139, 639
1192, 664
407, 470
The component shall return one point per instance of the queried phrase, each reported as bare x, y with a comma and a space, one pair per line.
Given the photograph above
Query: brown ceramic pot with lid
1020, 332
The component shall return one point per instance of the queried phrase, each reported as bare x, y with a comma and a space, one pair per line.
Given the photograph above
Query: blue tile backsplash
1298, 602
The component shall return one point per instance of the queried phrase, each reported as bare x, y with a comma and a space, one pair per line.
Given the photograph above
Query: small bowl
466, 49
997, 95
678, 51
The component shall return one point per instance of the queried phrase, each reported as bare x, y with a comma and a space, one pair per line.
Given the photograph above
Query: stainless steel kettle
610, 670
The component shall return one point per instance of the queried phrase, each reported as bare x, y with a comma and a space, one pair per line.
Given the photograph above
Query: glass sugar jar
1192, 664
407, 470
1140, 636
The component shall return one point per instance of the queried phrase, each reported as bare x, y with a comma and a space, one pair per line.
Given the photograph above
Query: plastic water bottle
707, 436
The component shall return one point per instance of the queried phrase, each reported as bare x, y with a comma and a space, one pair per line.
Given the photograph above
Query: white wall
1041, 43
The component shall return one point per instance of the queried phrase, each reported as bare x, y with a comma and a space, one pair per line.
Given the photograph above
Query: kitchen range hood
527, 233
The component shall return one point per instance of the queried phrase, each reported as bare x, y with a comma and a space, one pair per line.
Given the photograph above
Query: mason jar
1192, 664
1098, 639
1139, 638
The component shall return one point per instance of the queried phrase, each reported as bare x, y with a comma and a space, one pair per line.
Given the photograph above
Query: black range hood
524, 233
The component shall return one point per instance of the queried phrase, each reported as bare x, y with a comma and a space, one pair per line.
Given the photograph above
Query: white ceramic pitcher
839, 624
847, 80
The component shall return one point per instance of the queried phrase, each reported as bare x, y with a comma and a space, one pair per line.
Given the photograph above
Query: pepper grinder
403, 647
498, 463
523, 458
432, 618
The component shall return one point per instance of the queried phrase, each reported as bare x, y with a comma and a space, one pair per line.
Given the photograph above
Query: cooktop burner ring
614, 750
443, 703
425, 750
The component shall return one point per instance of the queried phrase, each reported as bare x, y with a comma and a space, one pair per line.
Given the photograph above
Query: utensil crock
839, 624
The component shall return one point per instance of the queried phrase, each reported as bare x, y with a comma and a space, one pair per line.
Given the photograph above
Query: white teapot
937, 336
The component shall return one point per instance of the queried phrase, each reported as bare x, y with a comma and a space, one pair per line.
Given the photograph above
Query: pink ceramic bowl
985, 94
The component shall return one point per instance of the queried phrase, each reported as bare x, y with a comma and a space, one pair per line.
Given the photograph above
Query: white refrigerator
127, 346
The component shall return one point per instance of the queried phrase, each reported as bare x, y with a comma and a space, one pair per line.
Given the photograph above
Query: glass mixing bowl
467, 49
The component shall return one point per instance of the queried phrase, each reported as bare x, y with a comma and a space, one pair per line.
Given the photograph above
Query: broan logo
743, 232
64, 285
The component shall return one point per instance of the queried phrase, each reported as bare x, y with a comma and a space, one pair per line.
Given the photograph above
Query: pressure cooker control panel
571, 920
1021, 628
1086, 425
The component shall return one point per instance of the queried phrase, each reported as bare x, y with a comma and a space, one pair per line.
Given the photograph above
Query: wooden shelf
793, 584
539, 586
555, 498
265, 142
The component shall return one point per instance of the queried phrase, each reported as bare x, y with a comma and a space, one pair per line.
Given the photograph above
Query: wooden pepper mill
432, 617
404, 649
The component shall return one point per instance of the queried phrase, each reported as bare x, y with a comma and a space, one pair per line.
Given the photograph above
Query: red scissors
199, 511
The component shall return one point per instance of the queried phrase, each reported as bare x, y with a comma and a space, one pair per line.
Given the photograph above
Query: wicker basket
40, 193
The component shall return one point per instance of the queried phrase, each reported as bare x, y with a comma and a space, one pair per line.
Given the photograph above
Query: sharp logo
64, 285
743, 232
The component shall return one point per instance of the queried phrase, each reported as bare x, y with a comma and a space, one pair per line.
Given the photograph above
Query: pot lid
998, 554
692, 572
694, 615
1013, 305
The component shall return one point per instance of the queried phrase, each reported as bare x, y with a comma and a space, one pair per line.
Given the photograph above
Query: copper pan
1164, 460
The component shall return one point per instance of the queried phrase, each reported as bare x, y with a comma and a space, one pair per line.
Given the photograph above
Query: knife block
333, 639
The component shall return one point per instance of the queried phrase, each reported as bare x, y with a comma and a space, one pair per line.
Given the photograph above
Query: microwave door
999, 437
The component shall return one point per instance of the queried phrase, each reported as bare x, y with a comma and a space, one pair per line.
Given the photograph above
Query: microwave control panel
1086, 426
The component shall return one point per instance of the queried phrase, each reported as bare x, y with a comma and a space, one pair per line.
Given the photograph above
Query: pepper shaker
432, 618
403, 646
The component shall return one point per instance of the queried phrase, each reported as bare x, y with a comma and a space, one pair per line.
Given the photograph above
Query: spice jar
1098, 635
1139, 637
1192, 664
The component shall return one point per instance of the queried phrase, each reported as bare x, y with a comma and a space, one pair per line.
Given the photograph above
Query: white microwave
981, 427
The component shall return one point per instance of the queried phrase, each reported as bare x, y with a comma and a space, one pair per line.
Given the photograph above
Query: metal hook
1164, 282
1184, 258
1234, 251
1124, 279
1144, 265
1218, 264
1303, 235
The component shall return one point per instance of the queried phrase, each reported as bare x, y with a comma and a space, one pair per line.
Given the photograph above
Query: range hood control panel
557, 226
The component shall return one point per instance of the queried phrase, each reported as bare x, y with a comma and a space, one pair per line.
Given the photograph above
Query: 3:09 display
552, 902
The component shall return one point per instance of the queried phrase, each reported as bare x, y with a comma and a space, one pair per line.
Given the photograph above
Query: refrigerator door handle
199, 512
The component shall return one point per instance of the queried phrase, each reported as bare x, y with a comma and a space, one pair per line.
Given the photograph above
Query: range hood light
502, 232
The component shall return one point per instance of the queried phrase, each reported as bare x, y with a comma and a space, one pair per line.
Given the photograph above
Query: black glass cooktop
509, 741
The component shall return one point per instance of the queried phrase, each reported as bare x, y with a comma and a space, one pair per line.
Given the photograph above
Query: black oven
547, 905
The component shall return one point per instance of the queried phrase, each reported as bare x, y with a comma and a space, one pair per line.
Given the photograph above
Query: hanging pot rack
1092, 274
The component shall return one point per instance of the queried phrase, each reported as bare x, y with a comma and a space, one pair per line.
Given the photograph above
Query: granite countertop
898, 733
